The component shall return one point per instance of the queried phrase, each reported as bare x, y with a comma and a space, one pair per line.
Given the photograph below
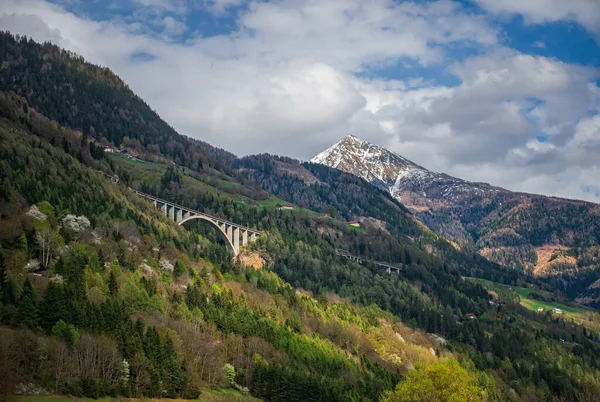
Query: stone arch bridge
236, 235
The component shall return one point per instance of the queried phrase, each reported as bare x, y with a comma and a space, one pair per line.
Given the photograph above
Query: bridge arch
215, 224
236, 235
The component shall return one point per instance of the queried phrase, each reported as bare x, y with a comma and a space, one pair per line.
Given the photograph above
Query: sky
499, 91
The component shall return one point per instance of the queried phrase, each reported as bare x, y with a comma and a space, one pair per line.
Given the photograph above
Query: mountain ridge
325, 156
514, 229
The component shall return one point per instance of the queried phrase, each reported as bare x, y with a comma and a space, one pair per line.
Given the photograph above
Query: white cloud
161, 6
221, 6
292, 79
485, 130
172, 26
583, 12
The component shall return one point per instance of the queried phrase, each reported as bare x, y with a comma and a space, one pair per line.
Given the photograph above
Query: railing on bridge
236, 235
361, 260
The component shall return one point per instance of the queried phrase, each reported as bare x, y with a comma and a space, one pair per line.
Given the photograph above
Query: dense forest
101, 295
92, 100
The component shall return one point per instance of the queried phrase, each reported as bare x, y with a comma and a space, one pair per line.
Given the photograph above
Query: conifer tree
27, 308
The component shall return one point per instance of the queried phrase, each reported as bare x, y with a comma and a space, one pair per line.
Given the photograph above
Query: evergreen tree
113, 286
27, 307
53, 306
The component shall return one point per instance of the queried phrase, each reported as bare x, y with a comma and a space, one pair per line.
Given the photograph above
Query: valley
103, 295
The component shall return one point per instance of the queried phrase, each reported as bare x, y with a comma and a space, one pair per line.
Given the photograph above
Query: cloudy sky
501, 91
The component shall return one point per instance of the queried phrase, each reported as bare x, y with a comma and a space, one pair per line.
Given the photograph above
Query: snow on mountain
408, 182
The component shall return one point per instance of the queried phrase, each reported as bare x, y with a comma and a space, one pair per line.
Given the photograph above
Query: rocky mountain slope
547, 236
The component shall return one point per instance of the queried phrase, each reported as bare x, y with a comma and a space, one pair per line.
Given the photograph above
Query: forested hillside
127, 303
102, 295
92, 100
552, 238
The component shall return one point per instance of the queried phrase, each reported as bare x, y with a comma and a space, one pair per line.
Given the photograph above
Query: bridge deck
196, 213
384, 265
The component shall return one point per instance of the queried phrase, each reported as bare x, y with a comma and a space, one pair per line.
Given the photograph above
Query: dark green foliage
113, 287
91, 99
179, 269
167, 376
27, 308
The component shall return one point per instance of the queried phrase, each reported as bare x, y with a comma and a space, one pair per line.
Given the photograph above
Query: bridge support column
244, 237
172, 212
178, 215
163, 208
186, 214
236, 240
229, 232
389, 270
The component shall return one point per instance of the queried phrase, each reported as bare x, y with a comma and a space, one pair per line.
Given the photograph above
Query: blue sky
502, 91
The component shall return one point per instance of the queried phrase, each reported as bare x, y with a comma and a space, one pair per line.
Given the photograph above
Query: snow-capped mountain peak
406, 181
371, 162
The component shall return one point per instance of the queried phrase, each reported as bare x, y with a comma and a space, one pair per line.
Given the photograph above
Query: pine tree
113, 286
53, 306
100, 259
27, 307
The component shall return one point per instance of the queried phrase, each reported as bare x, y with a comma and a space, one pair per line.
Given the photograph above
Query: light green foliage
23, 243
157, 303
229, 374
47, 209
95, 280
182, 312
133, 293
444, 381
65, 332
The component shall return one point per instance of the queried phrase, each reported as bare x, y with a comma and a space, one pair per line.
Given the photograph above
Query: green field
272, 201
143, 165
524, 292
533, 304
229, 184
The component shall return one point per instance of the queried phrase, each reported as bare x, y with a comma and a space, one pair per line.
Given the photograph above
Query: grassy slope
533, 304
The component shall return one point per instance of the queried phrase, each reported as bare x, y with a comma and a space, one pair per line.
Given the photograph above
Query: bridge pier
244, 237
178, 215
236, 240
172, 212
163, 208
